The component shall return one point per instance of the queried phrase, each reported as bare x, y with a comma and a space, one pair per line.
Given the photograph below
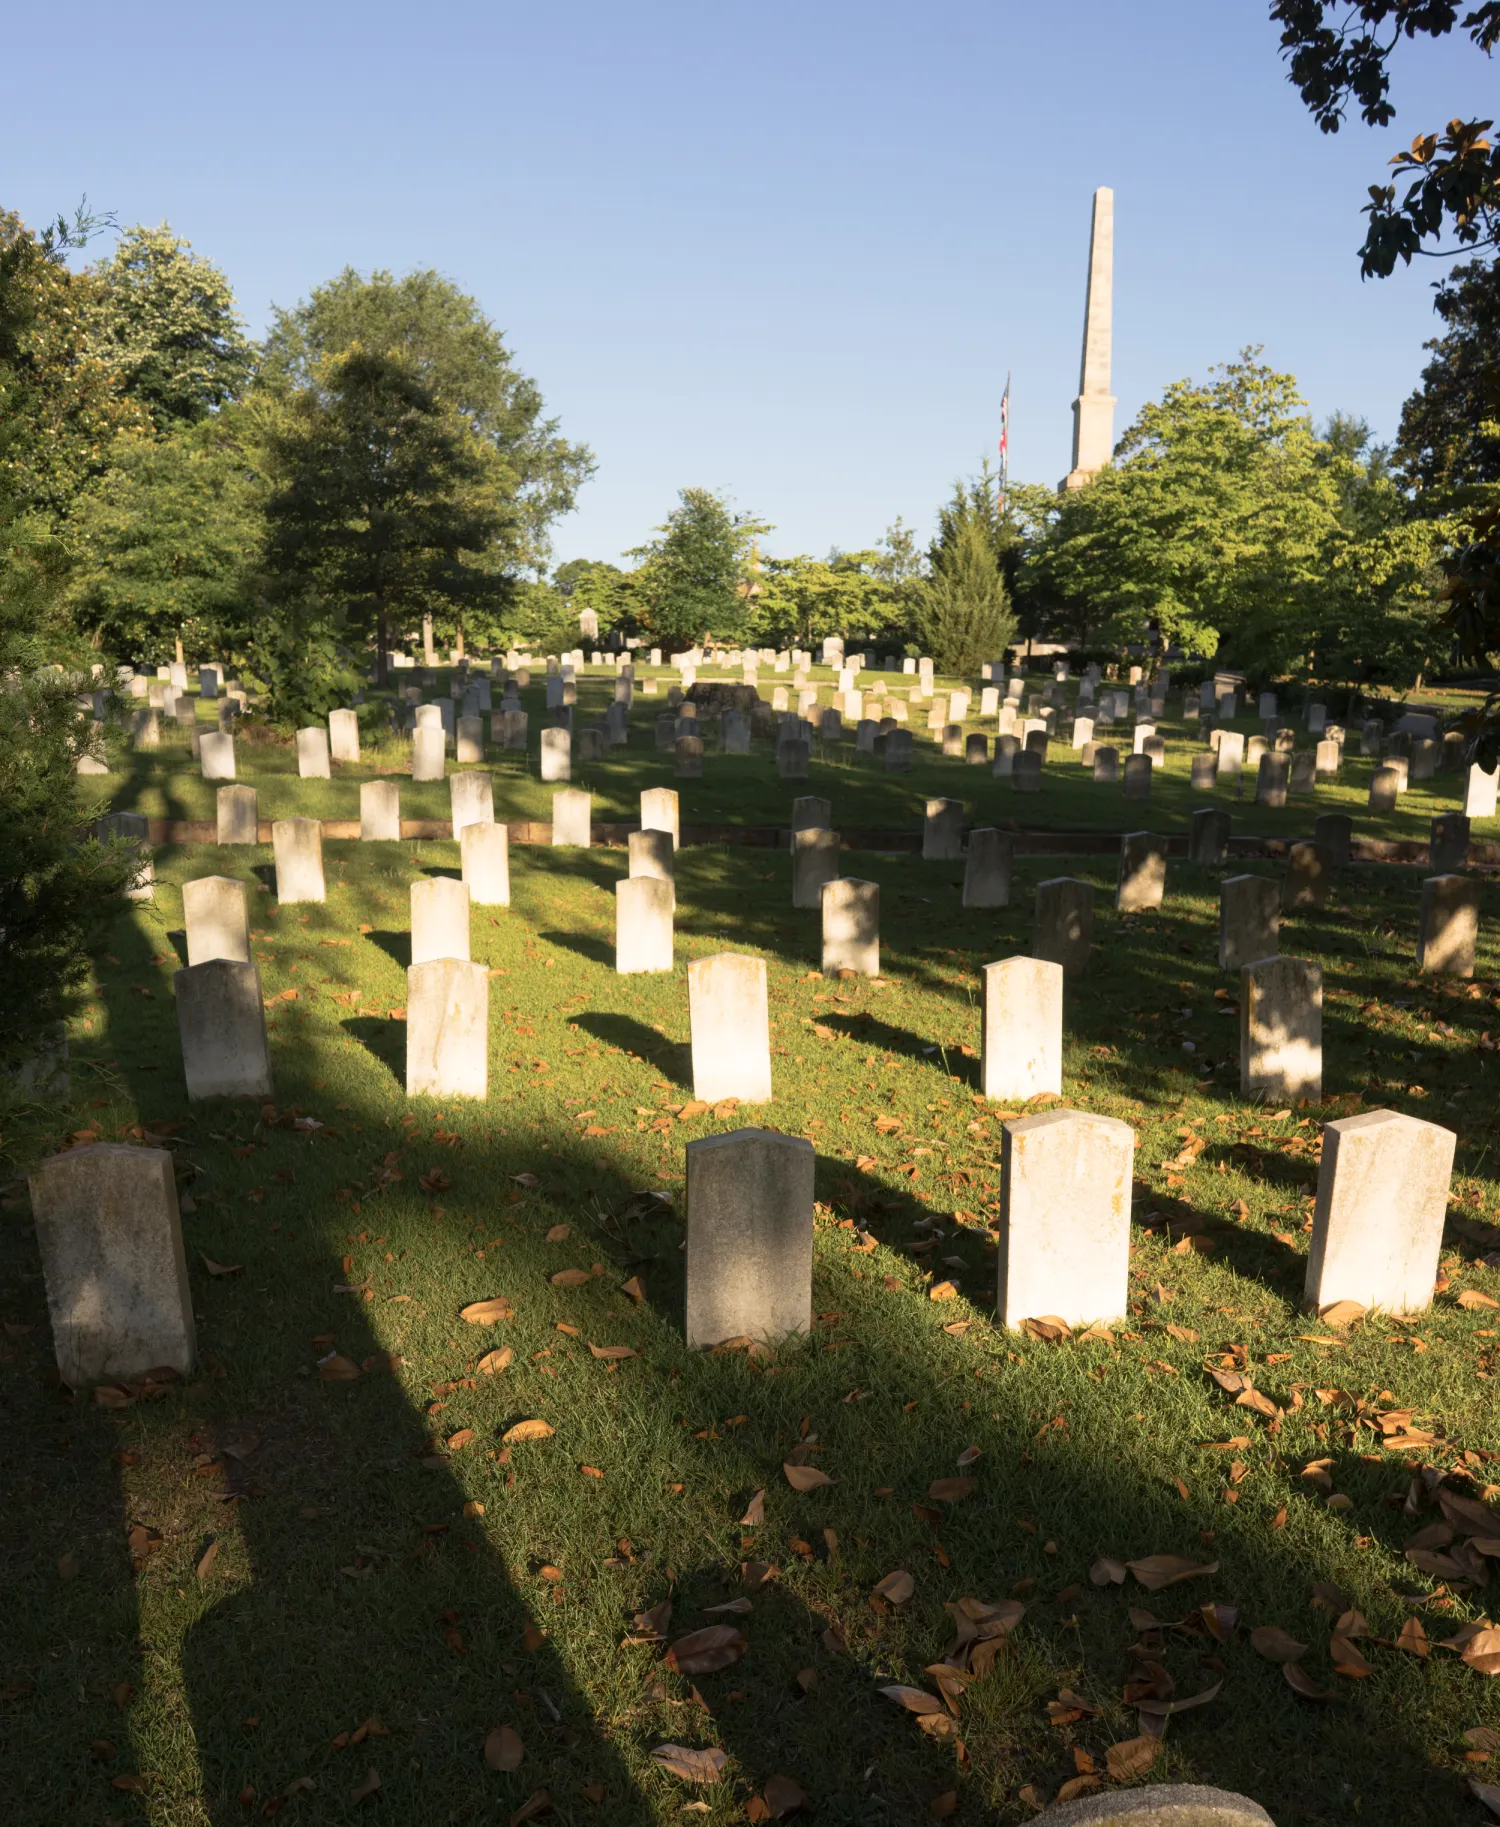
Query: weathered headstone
687, 760
1143, 872
1137, 776
851, 926
297, 848
1448, 926
1302, 776
1203, 774
1334, 832
1208, 837
1249, 920
987, 868
651, 854
1384, 789
216, 755
1480, 791
1378, 1222
469, 741
439, 919
976, 750
792, 759
1026, 771
343, 735
213, 909
942, 831
644, 906
749, 1200
484, 852
557, 754
312, 753
1281, 1028
572, 817
1309, 876
1231, 754
1065, 1218
1448, 843
1064, 929
145, 729
1326, 759
222, 1024
659, 812
380, 811
110, 1241
729, 1022
429, 754
815, 861
1106, 764
1157, 1805
237, 816
1020, 1052
447, 1029
1271, 778
471, 800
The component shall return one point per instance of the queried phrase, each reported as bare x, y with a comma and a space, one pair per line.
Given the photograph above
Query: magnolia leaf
503, 1749
702, 1652
914, 1699
487, 1312
1158, 1571
528, 1430
805, 1477
896, 1588
1275, 1644
692, 1766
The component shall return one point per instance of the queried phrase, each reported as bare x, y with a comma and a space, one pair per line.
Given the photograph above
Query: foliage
167, 541
164, 318
1337, 54
590, 583
962, 612
694, 579
802, 599
1450, 427
437, 334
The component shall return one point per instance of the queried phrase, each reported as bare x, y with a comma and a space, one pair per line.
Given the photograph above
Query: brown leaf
1079, 1785
1482, 1651
528, 1430
1488, 1793
1300, 1682
487, 1312
942, 1290
805, 1477
570, 1278
364, 1790
68, 1566
896, 1588
493, 1362
739, 1606
1275, 1644
950, 1490
219, 1268
458, 1441
336, 1369
1342, 1313
653, 1623
612, 1353
559, 1233
692, 1766
1347, 1660
634, 1289
783, 1797
914, 1699
206, 1562
1472, 1298
941, 1806
755, 1511
703, 1652
526, 1180
1413, 1638
1158, 1571
1107, 1571
537, 1803
1131, 1757
1165, 1708
503, 1749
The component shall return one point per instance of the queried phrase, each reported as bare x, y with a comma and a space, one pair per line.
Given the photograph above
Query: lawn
237, 1599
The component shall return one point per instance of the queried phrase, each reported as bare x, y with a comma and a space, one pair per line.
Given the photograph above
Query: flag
1004, 445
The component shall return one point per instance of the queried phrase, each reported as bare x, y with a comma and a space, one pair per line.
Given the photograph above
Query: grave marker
221, 1021
644, 906
312, 753
1448, 926
729, 1022
942, 831
851, 927
1249, 920
1142, 878
471, 800
572, 816
379, 812
237, 816
1064, 929
213, 909
447, 1029
1065, 1218
484, 852
1281, 1029
987, 868
439, 919
1021, 1028
297, 849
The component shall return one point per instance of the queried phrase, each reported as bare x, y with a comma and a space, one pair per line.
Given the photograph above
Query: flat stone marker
572, 818
557, 754
237, 816
439, 919
1448, 843
343, 735
1281, 1028
1448, 926
1334, 832
851, 926
1143, 872
1378, 1221
1384, 789
1158, 1805
312, 753
447, 1029
659, 812
1021, 1017
815, 862
1271, 778
216, 755
1249, 920
749, 1236
1136, 776
943, 831
222, 1024
1208, 837
110, 1240
730, 1026
379, 811
987, 868
218, 926
1064, 930
644, 905
484, 851
1480, 792
297, 848
1065, 1218
471, 800
429, 753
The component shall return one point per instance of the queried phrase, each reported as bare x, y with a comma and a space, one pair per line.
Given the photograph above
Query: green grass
745, 790
350, 1583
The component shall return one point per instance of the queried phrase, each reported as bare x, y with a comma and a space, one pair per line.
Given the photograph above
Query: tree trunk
381, 639
179, 650
460, 640
428, 656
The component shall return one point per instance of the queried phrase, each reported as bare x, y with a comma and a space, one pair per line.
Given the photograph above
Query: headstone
1317, 719
429, 754
1371, 737
1231, 754
572, 818
439, 919
1065, 1218
687, 760
792, 759
213, 911
484, 852
1448, 843
447, 1029
644, 906
1448, 925
815, 861
343, 735
1064, 930
1309, 876
471, 800
1021, 1030
851, 926
1083, 731
1334, 833
222, 1024
1378, 1222
237, 816
1326, 758
898, 752
557, 755
208, 681
297, 848
110, 1241
652, 856
1281, 1029
145, 729
1303, 774
1271, 778
1137, 776
1157, 1805
1425, 751
1143, 872
1267, 706
1026, 772
1480, 792
749, 1202
942, 831
659, 811
312, 753
508, 728
380, 812
1208, 837
729, 1024
953, 740
1384, 789
216, 755
1249, 920
1007, 747
1106, 764
987, 868
469, 745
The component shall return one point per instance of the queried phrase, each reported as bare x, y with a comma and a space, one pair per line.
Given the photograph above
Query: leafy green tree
438, 335
694, 580
590, 583
1449, 442
802, 599
1339, 51
167, 542
165, 319
963, 614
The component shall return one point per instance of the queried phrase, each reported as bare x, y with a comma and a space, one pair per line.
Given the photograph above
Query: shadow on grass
384, 1040
599, 951
396, 946
634, 1038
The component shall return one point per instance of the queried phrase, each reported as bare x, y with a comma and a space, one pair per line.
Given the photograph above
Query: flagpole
1004, 445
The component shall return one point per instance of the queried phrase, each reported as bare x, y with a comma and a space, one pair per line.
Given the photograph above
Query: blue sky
788, 251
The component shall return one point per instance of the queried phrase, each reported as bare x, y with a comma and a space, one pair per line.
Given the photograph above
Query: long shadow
384, 1040
396, 946
870, 1030
598, 950
630, 1036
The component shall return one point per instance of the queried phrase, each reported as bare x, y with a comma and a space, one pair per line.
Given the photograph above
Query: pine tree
963, 615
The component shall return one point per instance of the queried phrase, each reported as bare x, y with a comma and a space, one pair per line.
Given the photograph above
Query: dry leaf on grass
206, 1563
1158, 1571
487, 1312
612, 1353
538, 1802
1106, 1571
942, 1290
528, 1430
1413, 1638
503, 1749
526, 1180
458, 1441
896, 1588
1482, 1651
1347, 1660
1163, 1709
1079, 1785
1300, 1682
1342, 1313
1488, 1793
493, 1362
233, 1268
755, 1511
633, 1289
570, 1278
941, 1806
1275, 1644
336, 1369
1471, 1298
364, 1790
783, 1797
1131, 1757
692, 1766
950, 1490
704, 1652
914, 1699
805, 1477
559, 1233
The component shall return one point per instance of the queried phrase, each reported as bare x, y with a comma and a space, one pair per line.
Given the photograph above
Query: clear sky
787, 250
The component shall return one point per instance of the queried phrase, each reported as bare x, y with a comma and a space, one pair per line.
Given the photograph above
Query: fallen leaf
1413, 1638
896, 1588
942, 1290
1165, 1708
1472, 1298
692, 1766
1107, 1572
950, 1490
68, 1566
206, 1562
503, 1749
755, 1511
1158, 1571
1488, 1793
219, 1268
941, 1806
1300, 1682
783, 1797
336, 1369
487, 1312
458, 1441
805, 1477
634, 1289
528, 1430
1482, 1651
570, 1278
703, 1652
1275, 1644
914, 1699
493, 1362
613, 1353
1131, 1757
1078, 1785
1342, 1313
559, 1233
527, 1180
538, 1802
1347, 1660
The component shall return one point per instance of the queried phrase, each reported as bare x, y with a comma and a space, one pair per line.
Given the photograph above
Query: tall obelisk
1094, 409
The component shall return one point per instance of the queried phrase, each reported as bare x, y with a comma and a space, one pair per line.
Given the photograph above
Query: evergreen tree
962, 612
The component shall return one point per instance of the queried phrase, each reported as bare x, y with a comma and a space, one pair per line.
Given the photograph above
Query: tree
1449, 442
444, 341
802, 599
1339, 51
165, 319
590, 583
693, 581
962, 612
